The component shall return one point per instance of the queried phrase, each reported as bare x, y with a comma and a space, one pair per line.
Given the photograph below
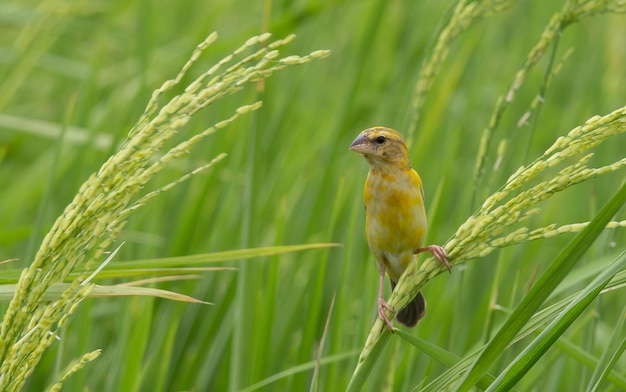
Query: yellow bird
395, 215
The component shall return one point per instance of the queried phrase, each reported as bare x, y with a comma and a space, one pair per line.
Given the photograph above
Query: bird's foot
382, 306
438, 252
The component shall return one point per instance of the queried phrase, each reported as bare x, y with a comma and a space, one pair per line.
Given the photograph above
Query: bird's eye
380, 139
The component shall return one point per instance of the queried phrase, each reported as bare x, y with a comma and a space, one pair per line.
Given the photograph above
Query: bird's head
380, 146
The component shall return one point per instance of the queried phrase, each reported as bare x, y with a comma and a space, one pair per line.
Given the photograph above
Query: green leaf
614, 351
56, 289
300, 368
443, 356
542, 289
365, 368
179, 264
524, 361
538, 321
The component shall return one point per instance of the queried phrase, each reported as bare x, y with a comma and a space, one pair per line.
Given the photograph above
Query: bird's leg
438, 252
382, 305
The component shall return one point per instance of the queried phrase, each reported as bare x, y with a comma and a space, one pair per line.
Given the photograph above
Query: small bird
395, 216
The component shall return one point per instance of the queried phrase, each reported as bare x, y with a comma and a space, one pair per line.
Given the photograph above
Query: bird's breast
396, 220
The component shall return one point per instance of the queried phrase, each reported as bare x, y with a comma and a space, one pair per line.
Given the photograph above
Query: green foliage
480, 89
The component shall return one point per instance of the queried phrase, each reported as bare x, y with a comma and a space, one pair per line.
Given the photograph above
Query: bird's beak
360, 144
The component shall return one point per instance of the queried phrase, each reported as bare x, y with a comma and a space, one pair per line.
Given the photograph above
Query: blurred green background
290, 179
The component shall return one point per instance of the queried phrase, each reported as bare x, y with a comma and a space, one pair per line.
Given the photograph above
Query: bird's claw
382, 306
439, 253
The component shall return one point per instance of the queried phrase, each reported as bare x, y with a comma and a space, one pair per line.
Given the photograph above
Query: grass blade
365, 368
7, 291
542, 289
610, 356
445, 357
300, 368
520, 366
204, 258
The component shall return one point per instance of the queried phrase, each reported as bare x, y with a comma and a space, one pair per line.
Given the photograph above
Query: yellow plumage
396, 220
395, 215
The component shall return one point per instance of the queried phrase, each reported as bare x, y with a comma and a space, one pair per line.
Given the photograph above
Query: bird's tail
414, 311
